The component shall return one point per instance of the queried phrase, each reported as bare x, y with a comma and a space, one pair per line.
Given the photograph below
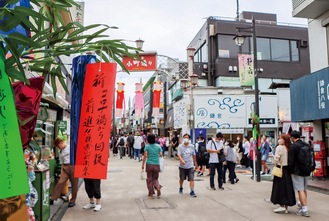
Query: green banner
13, 172
61, 129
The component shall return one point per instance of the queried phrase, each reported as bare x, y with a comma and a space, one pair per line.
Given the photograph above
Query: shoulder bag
221, 157
277, 171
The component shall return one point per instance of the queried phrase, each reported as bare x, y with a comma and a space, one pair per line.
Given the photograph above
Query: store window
228, 49
294, 51
263, 49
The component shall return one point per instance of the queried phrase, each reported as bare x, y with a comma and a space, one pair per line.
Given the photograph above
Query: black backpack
202, 151
121, 142
306, 160
131, 140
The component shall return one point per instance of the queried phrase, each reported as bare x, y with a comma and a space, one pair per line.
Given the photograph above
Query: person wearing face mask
187, 161
282, 188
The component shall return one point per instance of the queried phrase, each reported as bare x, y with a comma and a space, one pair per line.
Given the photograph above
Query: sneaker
299, 205
212, 188
237, 180
200, 174
221, 188
269, 171
192, 194
89, 206
280, 210
97, 208
303, 213
181, 190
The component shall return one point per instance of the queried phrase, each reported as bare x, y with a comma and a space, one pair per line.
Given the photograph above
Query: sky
168, 26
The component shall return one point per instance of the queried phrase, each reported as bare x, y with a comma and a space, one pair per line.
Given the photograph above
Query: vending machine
320, 156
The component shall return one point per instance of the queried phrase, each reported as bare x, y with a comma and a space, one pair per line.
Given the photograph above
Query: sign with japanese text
61, 129
246, 69
95, 121
147, 62
13, 172
232, 111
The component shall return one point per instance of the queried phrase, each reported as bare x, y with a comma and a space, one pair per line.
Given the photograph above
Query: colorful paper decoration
78, 74
139, 100
95, 121
28, 99
156, 97
246, 69
13, 174
120, 100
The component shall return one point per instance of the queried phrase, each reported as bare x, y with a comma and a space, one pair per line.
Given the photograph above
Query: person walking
121, 144
214, 148
138, 141
202, 156
130, 144
265, 150
282, 188
115, 145
67, 173
187, 161
162, 142
152, 152
93, 190
299, 175
231, 158
246, 151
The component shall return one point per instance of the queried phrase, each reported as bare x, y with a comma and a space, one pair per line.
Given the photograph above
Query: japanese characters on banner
246, 69
120, 100
139, 100
13, 173
156, 97
147, 62
95, 121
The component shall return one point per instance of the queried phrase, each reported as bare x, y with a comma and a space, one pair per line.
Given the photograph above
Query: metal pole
254, 38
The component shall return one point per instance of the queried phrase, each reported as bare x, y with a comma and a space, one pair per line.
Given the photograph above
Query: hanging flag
95, 121
78, 77
139, 100
120, 99
13, 172
156, 97
246, 69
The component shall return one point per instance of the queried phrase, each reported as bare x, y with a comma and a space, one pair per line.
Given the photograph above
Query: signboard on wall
180, 114
147, 62
233, 111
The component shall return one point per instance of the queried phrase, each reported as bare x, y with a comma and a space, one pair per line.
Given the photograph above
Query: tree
52, 36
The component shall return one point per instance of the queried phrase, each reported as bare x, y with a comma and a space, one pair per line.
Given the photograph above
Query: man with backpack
130, 143
301, 164
122, 145
202, 154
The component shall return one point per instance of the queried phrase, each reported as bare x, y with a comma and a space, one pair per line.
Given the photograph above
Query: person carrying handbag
282, 189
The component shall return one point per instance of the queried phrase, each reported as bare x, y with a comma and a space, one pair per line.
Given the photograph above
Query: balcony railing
296, 3
311, 9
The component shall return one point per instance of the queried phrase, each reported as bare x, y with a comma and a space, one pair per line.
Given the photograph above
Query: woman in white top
282, 190
138, 140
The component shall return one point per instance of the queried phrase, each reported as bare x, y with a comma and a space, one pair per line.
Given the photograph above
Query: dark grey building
282, 49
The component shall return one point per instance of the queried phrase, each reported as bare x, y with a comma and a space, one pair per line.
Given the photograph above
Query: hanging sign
95, 121
147, 62
13, 172
246, 69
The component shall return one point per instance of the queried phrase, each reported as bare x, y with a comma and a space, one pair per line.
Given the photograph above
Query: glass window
204, 53
263, 49
280, 50
227, 47
294, 51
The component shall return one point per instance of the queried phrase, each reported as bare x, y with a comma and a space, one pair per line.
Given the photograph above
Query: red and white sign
147, 62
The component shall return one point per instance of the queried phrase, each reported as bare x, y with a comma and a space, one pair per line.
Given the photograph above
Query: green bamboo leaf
10, 23
63, 83
24, 122
13, 73
22, 39
11, 1
53, 84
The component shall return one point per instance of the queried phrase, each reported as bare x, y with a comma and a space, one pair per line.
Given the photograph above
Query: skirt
283, 192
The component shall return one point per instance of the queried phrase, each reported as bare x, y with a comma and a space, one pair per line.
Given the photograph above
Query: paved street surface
124, 197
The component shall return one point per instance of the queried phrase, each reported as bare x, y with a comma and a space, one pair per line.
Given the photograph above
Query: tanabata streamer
95, 121
13, 173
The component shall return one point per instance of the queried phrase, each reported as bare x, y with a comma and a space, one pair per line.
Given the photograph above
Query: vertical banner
246, 69
78, 75
120, 99
139, 100
95, 121
61, 129
156, 97
13, 172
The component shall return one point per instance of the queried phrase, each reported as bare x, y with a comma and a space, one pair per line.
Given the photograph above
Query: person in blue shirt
152, 152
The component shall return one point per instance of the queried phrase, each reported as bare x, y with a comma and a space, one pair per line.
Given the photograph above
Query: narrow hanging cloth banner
13, 173
120, 99
95, 121
139, 100
156, 98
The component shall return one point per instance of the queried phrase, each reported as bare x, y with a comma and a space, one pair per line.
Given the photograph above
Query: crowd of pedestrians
214, 154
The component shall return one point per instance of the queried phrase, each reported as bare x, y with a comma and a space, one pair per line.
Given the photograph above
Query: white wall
318, 43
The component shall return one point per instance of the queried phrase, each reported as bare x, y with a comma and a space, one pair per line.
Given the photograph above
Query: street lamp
190, 83
239, 40
139, 43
